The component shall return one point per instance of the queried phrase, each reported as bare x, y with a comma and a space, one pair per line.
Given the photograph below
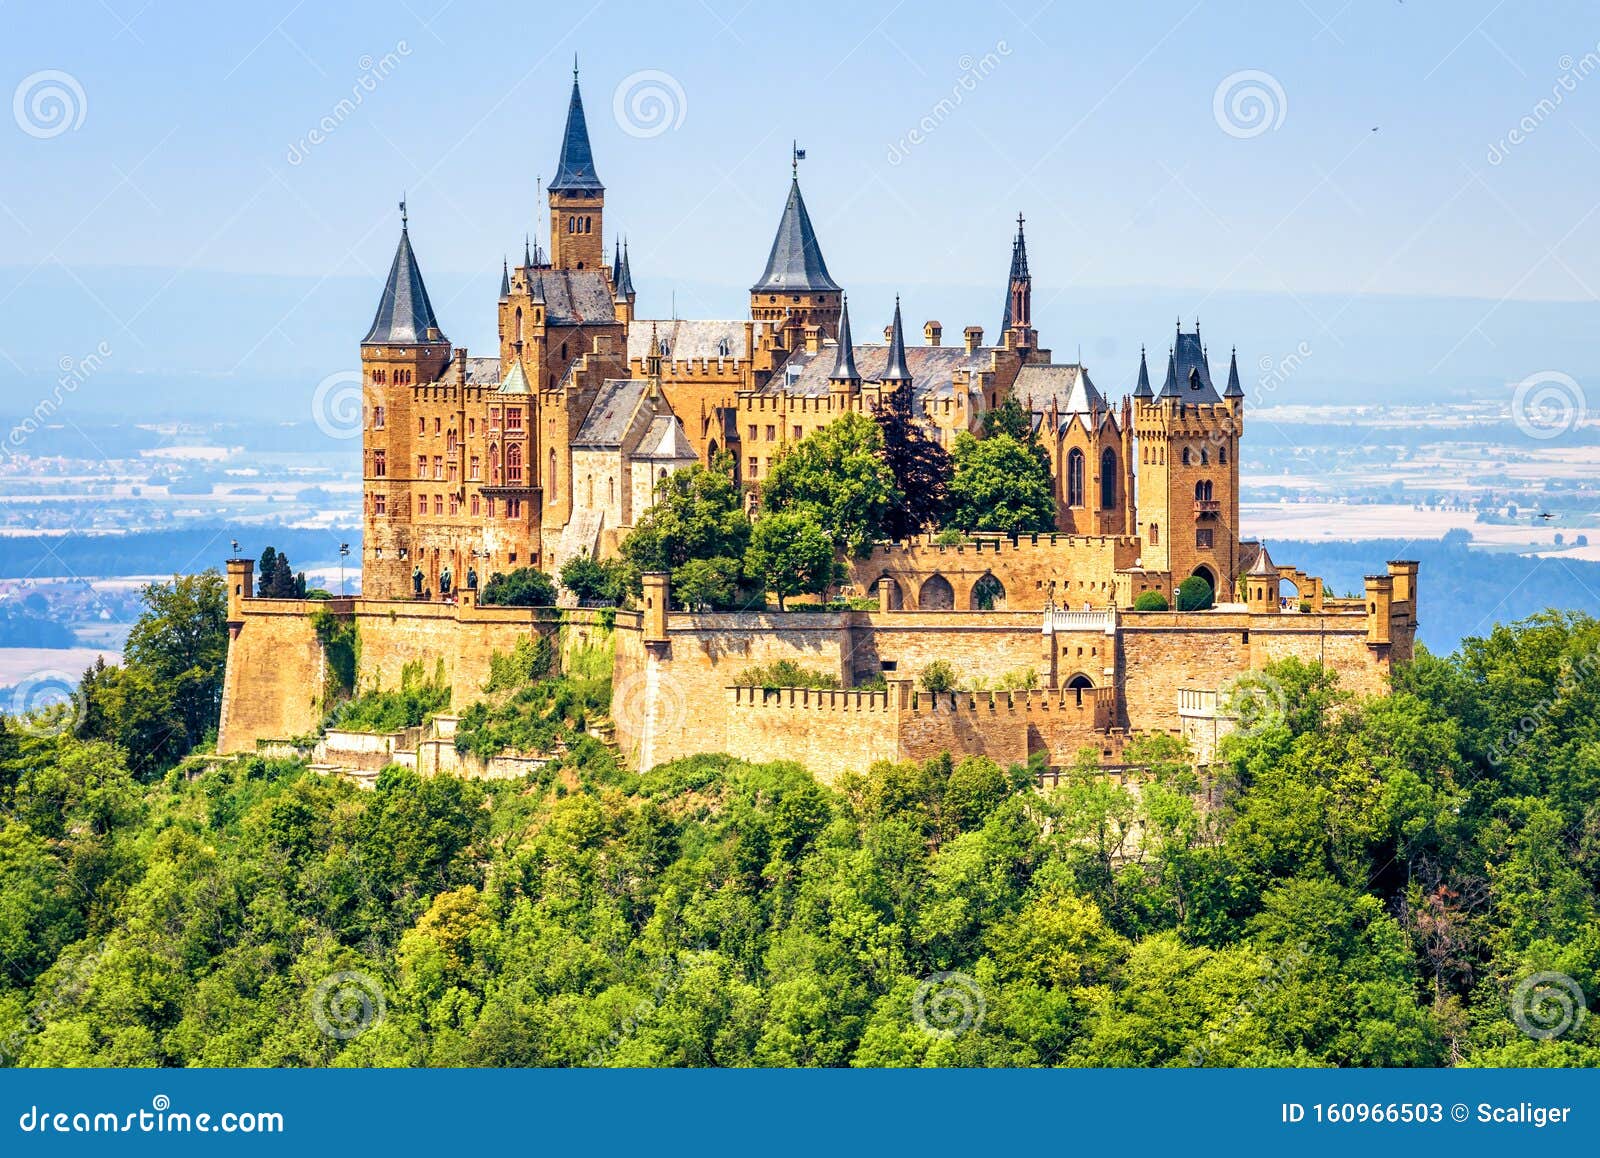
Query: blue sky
186, 215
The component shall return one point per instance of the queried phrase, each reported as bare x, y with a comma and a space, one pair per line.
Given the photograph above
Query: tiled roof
933, 369
795, 264
686, 339
614, 407
572, 297
1068, 386
575, 172
405, 315
665, 441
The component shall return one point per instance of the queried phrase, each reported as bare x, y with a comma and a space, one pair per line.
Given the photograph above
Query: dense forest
1407, 881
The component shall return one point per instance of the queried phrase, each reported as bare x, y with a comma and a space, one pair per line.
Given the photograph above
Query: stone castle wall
1035, 570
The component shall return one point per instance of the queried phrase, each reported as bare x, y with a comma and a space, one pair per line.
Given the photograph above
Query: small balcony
1208, 508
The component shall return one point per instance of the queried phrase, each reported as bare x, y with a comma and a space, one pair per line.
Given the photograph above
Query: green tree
592, 580
791, 554
1194, 594
920, 465
840, 475
707, 584
524, 587
1000, 484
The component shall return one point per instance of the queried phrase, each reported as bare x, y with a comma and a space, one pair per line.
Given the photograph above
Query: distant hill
163, 552
1463, 591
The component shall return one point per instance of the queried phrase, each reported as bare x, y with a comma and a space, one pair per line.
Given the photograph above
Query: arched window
1186, 456
563, 351
988, 593
1205, 457
519, 324
1075, 478
572, 225
724, 347
1222, 455
1108, 478
550, 478
936, 595
1202, 491
664, 348
513, 463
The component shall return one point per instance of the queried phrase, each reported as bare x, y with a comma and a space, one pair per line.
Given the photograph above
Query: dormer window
664, 348
724, 348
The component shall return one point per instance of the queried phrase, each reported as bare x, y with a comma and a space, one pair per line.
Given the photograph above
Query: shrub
524, 587
593, 581
1194, 594
1151, 601
785, 673
938, 676
375, 710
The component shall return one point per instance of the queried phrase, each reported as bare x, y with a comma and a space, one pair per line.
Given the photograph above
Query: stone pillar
657, 597
241, 586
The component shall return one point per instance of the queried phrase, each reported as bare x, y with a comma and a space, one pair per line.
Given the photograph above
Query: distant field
18, 664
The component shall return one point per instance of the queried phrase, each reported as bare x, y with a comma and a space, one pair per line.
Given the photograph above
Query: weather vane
798, 155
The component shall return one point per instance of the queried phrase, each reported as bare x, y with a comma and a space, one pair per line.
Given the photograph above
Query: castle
555, 445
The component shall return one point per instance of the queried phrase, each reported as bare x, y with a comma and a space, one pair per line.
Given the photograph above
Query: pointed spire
1169, 388
896, 370
575, 171
844, 364
505, 279
795, 264
616, 262
1234, 390
1142, 390
527, 254
1019, 278
405, 315
1264, 565
625, 282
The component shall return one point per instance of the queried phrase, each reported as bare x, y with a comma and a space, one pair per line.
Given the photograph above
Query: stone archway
1209, 576
936, 595
1079, 684
988, 594
896, 595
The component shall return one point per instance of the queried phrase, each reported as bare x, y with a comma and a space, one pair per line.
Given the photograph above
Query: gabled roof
795, 264
1067, 385
665, 441
844, 364
575, 171
572, 297
933, 370
405, 315
1188, 373
606, 424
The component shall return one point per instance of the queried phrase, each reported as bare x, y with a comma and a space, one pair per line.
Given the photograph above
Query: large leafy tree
840, 473
1000, 484
791, 554
698, 515
523, 587
921, 468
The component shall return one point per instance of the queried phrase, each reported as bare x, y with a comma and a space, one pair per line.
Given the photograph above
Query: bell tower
577, 198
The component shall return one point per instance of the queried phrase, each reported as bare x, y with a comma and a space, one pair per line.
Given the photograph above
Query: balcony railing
1208, 508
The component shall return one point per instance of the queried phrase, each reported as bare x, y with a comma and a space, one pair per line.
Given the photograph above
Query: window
455, 508
422, 504
752, 433
1075, 478
664, 348
437, 427
752, 466
1205, 457
1108, 478
491, 508
472, 427
1186, 456
474, 468
550, 479
797, 434
518, 330
438, 466
452, 470
724, 348
380, 463
513, 511
494, 418
1222, 455
1203, 538
494, 465
422, 427
1155, 534
772, 433
438, 504
513, 418
422, 466
474, 504
1202, 491
380, 505
377, 417
514, 463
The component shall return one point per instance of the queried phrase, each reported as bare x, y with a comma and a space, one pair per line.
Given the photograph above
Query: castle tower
1016, 327
795, 288
1261, 584
404, 349
895, 380
577, 199
1188, 444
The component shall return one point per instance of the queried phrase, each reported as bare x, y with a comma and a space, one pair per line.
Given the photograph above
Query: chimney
813, 339
461, 364
888, 334
932, 332
974, 337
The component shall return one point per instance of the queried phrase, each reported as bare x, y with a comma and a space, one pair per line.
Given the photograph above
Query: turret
845, 379
795, 288
1016, 326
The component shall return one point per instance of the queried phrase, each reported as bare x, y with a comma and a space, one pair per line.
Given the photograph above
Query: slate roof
405, 315
1263, 566
575, 172
1142, 390
1019, 272
933, 369
624, 283
1188, 373
613, 410
1234, 390
516, 381
483, 371
894, 369
572, 297
1067, 385
795, 264
665, 441
844, 362
686, 339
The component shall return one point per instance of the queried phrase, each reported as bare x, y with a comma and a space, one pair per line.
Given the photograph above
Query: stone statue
416, 580
444, 582
472, 579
